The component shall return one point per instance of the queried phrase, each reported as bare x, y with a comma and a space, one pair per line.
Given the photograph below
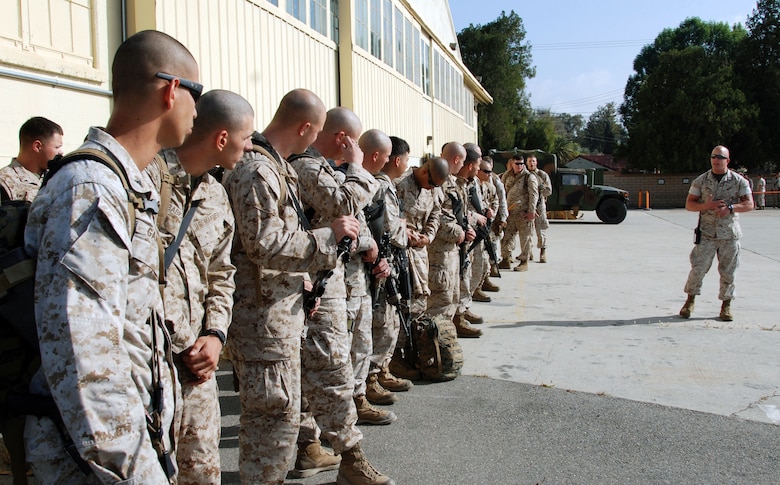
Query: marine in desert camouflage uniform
199, 281
98, 304
541, 224
522, 194
273, 253
40, 140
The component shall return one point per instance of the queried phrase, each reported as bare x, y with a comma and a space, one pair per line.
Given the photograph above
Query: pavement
586, 375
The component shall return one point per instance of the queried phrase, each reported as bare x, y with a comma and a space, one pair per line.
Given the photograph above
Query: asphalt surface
586, 375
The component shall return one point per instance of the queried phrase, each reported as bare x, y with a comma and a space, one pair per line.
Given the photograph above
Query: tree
497, 52
684, 97
603, 132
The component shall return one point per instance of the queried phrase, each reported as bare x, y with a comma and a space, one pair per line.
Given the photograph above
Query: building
604, 162
396, 63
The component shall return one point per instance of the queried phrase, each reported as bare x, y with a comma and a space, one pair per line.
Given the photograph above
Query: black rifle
483, 232
318, 289
458, 208
403, 303
389, 283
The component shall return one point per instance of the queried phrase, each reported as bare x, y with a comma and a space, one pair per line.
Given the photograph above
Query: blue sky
584, 51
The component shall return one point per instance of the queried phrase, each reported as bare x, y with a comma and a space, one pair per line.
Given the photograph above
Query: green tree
497, 52
684, 97
603, 132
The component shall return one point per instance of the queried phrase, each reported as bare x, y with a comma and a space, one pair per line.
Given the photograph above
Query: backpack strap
285, 188
166, 188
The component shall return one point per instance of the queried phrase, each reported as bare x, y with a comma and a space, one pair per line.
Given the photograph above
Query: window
408, 42
572, 179
334, 20
425, 67
319, 16
416, 50
297, 8
399, 41
436, 75
376, 28
361, 23
387, 32
274, 2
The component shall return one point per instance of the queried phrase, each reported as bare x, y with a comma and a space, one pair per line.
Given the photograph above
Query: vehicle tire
611, 211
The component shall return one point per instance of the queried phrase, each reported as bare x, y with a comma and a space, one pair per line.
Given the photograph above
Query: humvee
573, 189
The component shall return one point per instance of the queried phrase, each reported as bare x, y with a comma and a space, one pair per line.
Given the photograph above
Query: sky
584, 51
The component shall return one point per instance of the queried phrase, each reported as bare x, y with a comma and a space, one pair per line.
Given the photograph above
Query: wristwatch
731, 208
217, 333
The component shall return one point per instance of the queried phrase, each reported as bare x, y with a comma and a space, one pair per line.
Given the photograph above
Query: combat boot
464, 329
399, 368
481, 297
376, 394
504, 264
687, 308
530, 256
473, 318
368, 414
392, 383
356, 470
725, 311
542, 256
488, 285
494, 273
313, 459
523, 266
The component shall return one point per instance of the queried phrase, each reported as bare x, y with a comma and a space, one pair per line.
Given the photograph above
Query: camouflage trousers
419, 270
727, 251
327, 380
197, 449
480, 267
385, 327
270, 410
541, 224
517, 226
359, 317
444, 283
466, 289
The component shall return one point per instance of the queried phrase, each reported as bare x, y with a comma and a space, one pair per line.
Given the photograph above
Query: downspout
53, 81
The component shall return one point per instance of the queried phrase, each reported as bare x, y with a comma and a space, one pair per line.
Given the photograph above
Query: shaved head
220, 109
486, 163
473, 152
375, 141
300, 106
143, 55
453, 149
343, 119
438, 167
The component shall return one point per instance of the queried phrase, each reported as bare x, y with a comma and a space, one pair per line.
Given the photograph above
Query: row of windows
317, 15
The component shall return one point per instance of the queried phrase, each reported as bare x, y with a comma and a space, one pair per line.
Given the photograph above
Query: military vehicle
573, 189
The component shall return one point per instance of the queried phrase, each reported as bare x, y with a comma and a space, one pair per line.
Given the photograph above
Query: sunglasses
195, 89
485, 171
519, 163
430, 180
719, 157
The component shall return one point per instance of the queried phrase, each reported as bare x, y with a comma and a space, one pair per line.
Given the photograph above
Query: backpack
439, 355
19, 353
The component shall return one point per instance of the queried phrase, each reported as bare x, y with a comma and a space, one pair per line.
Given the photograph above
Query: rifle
458, 208
403, 303
310, 297
389, 283
483, 232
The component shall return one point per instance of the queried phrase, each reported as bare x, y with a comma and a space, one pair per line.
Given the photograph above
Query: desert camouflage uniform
94, 311
328, 380
18, 183
476, 260
443, 257
386, 323
422, 213
272, 254
501, 215
481, 260
541, 224
719, 235
522, 193
198, 298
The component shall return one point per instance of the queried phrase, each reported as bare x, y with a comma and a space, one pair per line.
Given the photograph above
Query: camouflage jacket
199, 282
545, 185
729, 189
394, 223
503, 210
96, 291
18, 182
322, 192
421, 208
273, 254
522, 191
450, 231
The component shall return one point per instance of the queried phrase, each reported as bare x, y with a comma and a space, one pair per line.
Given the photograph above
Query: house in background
396, 63
604, 162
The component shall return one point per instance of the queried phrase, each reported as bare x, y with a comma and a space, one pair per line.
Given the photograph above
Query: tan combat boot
392, 383
313, 459
488, 285
481, 297
542, 256
494, 273
400, 368
464, 329
473, 318
504, 264
356, 470
376, 393
725, 311
523, 266
687, 308
368, 414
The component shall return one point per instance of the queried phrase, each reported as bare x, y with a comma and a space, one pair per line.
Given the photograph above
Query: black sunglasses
430, 180
519, 163
195, 89
486, 171
719, 157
